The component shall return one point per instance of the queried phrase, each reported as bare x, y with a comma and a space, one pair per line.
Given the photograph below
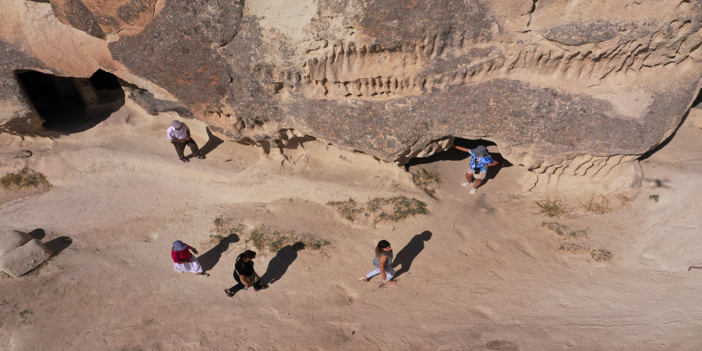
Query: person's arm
462, 148
192, 249
494, 163
383, 260
171, 138
188, 137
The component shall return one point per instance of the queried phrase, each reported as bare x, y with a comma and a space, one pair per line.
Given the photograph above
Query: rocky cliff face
573, 91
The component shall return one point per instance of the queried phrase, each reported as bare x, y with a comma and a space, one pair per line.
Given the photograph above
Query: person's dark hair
381, 245
246, 254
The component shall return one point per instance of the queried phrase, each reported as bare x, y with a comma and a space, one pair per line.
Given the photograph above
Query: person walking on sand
479, 163
382, 263
245, 275
179, 135
184, 261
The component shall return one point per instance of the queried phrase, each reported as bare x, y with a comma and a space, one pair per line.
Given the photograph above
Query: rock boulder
573, 92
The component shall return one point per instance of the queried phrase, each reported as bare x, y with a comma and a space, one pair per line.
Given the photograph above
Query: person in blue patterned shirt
479, 163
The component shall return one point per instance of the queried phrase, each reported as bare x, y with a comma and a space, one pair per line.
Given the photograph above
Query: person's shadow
410, 252
280, 263
210, 258
212, 143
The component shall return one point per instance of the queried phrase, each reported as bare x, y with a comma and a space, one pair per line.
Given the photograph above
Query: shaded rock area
20, 253
572, 92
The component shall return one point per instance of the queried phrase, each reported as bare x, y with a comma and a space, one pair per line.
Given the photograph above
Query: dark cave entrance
69, 104
455, 155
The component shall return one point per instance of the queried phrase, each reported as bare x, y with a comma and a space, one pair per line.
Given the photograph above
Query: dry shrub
598, 255
347, 209
25, 179
599, 206
553, 208
564, 231
223, 228
272, 240
427, 180
393, 209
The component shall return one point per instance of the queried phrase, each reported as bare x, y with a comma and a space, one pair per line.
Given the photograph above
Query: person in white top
179, 134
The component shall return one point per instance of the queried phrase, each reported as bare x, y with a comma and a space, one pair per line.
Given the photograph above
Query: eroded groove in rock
563, 88
347, 71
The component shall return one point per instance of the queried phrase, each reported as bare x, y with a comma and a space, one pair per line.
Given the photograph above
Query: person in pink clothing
184, 261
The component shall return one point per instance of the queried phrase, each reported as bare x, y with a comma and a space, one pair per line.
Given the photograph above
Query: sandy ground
490, 277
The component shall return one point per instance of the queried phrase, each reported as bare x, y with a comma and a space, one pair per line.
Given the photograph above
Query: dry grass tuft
264, 238
393, 209
25, 179
223, 229
564, 231
598, 255
427, 180
599, 206
553, 208
347, 209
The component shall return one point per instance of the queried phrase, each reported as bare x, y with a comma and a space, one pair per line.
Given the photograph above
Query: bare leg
477, 183
469, 177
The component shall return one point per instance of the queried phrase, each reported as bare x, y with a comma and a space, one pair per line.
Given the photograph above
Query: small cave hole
437, 160
70, 104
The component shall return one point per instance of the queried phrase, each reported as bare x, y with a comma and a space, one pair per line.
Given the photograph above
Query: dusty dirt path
491, 277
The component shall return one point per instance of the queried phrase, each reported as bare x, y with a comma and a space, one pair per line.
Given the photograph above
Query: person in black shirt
244, 274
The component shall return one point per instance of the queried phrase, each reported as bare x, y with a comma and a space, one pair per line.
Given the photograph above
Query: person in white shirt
179, 134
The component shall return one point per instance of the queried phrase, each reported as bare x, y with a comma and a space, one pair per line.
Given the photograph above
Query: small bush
223, 229
553, 208
597, 207
653, 197
598, 255
267, 239
393, 209
427, 180
564, 231
347, 209
26, 178
402, 207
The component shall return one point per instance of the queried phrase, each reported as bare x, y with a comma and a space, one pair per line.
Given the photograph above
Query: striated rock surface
574, 92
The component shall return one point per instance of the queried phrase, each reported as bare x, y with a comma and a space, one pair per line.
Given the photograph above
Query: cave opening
70, 104
455, 161
454, 154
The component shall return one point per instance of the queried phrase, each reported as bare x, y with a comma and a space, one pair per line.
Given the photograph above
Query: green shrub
553, 208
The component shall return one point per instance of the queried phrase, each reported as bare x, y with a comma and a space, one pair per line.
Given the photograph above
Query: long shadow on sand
281, 262
55, 245
210, 258
408, 253
212, 143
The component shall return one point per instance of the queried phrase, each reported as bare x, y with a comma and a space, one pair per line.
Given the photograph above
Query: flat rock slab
24, 258
12, 239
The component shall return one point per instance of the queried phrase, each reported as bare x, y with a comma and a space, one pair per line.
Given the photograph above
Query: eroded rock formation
573, 91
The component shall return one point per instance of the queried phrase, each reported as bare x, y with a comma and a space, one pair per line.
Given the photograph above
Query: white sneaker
465, 183
472, 191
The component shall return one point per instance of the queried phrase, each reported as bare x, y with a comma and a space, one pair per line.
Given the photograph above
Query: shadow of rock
38, 234
408, 253
59, 244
